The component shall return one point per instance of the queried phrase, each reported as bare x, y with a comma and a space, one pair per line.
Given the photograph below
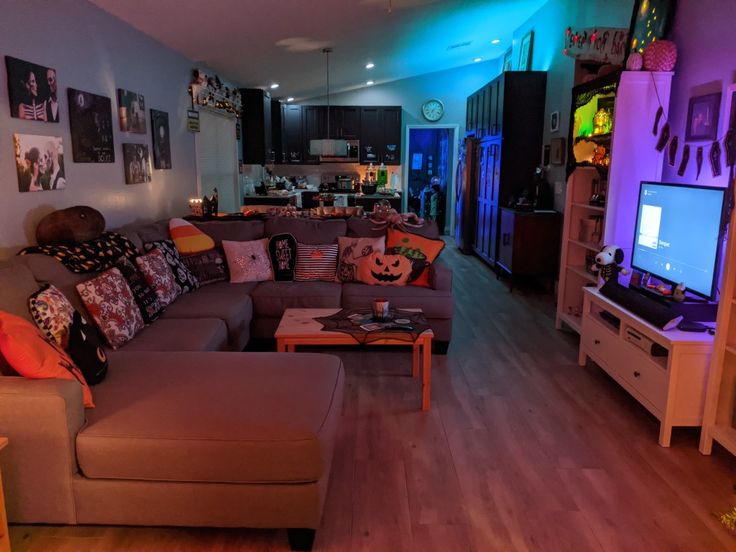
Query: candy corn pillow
188, 238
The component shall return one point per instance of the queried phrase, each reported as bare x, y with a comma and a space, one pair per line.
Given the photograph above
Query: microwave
351, 156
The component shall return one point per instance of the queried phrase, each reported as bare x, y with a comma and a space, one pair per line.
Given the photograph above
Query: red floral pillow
112, 306
159, 276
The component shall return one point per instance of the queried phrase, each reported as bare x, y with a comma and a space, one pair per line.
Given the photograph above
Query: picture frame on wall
557, 151
161, 140
702, 118
137, 163
651, 20
32, 91
90, 122
554, 121
730, 140
525, 52
131, 111
39, 162
508, 60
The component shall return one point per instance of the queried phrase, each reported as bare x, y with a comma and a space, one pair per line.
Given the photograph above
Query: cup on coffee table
381, 309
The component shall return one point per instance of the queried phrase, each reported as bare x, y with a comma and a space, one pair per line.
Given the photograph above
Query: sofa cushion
16, 286
271, 299
188, 238
155, 231
52, 312
201, 334
184, 277
159, 276
233, 230
208, 267
315, 263
145, 296
365, 228
312, 232
48, 270
230, 304
434, 303
214, 417
248, 261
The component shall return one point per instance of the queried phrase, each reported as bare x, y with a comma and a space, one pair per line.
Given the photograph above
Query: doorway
429, 176
217, 160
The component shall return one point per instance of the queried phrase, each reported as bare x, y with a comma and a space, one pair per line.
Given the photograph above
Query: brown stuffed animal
68, 226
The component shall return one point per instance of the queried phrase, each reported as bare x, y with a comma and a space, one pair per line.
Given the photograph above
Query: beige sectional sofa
188, 430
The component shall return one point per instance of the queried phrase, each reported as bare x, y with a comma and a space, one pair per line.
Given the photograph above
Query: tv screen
678, 234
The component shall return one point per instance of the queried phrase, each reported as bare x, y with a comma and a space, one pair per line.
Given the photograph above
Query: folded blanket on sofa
90, 256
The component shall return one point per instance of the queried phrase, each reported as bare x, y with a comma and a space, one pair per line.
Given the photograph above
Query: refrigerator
465, 194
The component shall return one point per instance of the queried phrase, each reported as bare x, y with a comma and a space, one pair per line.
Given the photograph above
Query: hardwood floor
521, 450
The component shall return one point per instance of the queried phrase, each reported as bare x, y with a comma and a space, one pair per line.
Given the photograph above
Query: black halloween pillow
85, 349
282, 249
145, 296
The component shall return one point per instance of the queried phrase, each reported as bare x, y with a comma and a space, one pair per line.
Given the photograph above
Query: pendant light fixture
327, 147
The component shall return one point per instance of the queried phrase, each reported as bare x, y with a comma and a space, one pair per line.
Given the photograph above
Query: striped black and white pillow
316, 262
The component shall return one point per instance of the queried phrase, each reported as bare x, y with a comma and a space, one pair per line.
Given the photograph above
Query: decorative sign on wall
137, 163
39, 162
192, 120
90, 119
131, 111
600, 44
161, 143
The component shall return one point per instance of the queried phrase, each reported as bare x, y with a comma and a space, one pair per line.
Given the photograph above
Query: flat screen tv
679, 230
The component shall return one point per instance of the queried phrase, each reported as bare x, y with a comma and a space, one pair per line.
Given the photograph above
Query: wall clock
432, 110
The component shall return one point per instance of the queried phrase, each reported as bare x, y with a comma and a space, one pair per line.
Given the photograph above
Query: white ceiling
254, 43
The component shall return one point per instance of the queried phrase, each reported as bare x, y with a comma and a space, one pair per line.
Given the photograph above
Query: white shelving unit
634, 159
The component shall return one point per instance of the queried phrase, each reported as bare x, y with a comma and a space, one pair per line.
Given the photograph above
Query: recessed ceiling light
290, 99
369, 83
370, 65
496, 41
274, 85
476, 60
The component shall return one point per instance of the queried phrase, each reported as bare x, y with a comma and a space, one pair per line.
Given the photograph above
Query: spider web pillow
248, 261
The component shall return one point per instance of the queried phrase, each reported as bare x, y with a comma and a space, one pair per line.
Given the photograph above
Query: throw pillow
86, 350
422, 252
158, 274
248, 261
26, 350
282, 249
188, 238
111, 304
184, 277
208, 267
352, 250
52, 312
144, 294
316, 262
385, 270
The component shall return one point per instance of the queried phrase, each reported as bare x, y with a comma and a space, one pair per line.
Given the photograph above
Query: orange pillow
27, 351
422, 251
188, 238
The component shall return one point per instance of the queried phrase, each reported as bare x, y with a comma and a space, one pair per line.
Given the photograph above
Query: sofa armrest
41, 419
440, 276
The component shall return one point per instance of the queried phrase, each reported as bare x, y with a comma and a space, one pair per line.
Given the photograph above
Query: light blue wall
93, 51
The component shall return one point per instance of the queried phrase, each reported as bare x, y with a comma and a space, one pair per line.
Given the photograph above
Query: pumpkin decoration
385, 270
70, 226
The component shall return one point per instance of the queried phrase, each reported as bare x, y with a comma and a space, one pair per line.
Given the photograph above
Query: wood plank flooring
522, 450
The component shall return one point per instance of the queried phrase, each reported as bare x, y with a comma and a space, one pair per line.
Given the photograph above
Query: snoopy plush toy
607, 264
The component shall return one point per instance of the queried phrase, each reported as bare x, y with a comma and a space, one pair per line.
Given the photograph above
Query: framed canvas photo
730, 141
525, 52
702, 118
90, 122
508, 61
131, 111
557, 151
651, 20
137, 163
39, 162
554, 121
161, 143
32, 91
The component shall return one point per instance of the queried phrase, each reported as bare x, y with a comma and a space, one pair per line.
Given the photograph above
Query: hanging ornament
657, 120
664, 138
730, 144
685, 160
699, 161
715, 159
673, 150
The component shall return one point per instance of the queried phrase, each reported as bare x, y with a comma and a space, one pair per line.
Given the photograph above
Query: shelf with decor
612, 150
719, 419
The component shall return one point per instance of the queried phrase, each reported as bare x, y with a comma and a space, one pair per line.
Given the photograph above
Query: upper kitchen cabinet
380, 135
345, 122
292, 142
256, 122
315, 128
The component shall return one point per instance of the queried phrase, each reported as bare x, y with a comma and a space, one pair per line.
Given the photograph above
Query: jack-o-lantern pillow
384, 270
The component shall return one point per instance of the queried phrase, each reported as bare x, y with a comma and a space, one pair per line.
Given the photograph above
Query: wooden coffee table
299, 327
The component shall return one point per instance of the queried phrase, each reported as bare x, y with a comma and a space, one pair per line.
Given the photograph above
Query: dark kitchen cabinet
292, 142
380, 135
345, 122
277, 138
508, 154
315, 128
257, 133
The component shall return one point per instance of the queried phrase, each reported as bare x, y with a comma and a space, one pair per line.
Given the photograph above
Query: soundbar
650, 310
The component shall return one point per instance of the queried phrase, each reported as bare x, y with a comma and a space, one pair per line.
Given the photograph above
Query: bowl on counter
368, 189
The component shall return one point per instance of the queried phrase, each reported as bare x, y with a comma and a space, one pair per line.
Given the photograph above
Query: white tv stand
671, 387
